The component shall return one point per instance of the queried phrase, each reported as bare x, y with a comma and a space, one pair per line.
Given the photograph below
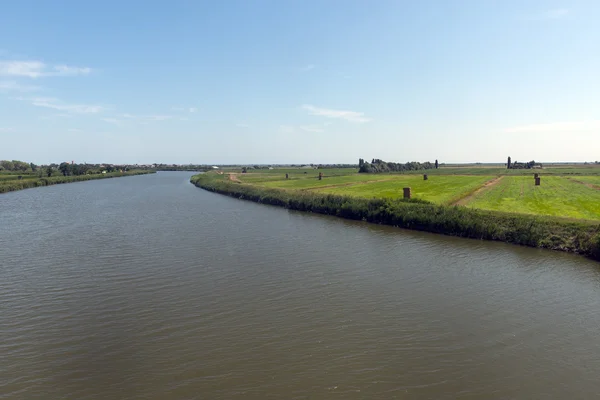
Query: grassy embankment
376, 198
11, 182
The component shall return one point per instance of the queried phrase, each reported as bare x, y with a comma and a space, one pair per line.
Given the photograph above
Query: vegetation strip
30, 181
581, 237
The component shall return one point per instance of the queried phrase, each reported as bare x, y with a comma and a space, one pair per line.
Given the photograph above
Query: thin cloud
568, 126
188, 109
308, 67
242, 125
38, 69
60, 115
7, 130
312, 128
75, 130
112, 121
13, 86
147, 118
56, 104
351, 116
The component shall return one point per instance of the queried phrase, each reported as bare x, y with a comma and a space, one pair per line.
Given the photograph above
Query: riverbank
527, 230
28, 181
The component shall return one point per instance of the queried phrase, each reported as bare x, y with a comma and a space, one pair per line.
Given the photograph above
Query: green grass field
437, 189
557, 196
566, 191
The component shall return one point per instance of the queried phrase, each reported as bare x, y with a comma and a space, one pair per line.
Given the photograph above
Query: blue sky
299, 81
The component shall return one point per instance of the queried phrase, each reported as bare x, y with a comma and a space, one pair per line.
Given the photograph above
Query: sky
326, 81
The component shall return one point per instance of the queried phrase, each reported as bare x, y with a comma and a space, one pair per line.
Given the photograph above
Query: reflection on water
147, 287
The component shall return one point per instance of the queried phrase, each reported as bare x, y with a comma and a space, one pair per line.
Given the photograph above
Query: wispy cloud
112, 121
56, 104
147, 118
66, 70
13, 86
188, 109
351, 116
312, 128
242, 125
308, 67
7, 130
38, 69
58, 115
568, 126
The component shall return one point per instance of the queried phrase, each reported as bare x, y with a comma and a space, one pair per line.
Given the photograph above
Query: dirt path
590, 185
233, 177
464, 200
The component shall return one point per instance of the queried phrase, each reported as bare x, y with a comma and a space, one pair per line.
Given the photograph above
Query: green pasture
437, 189
569, 191
557, 196
311, 182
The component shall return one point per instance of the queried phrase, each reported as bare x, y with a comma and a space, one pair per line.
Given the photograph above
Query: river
147, 287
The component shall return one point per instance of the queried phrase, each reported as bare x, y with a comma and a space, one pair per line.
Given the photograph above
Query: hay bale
425, 177
406, 193
287, 176
537, 181
320, 175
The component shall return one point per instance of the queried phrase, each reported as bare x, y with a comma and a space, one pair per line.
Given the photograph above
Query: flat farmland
312, 182
437, 189
557, 196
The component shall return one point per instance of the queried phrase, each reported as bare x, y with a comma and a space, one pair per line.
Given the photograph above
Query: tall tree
7, 165
65, 168
436, 164
508, 164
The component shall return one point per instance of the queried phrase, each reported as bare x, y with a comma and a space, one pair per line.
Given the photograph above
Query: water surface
147, 287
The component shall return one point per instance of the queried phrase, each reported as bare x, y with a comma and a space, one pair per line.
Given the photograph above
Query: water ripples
147, 287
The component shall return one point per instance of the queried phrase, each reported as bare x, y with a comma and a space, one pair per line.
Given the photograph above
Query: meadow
556, 196
568, 191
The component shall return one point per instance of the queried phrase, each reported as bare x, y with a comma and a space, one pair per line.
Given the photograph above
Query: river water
147, 287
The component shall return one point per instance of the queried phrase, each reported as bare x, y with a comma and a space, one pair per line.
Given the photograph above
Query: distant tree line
377, 165
17, 166
527, 165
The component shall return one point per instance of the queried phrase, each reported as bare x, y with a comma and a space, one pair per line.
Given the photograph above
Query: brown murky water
147, 287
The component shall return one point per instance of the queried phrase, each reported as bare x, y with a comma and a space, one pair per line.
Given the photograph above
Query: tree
7, 165
49, 171
436, 164
33, 167
20, 165
508, 164
65, 168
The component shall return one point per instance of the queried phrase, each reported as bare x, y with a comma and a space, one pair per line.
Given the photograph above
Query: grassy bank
31, 181
581, 237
